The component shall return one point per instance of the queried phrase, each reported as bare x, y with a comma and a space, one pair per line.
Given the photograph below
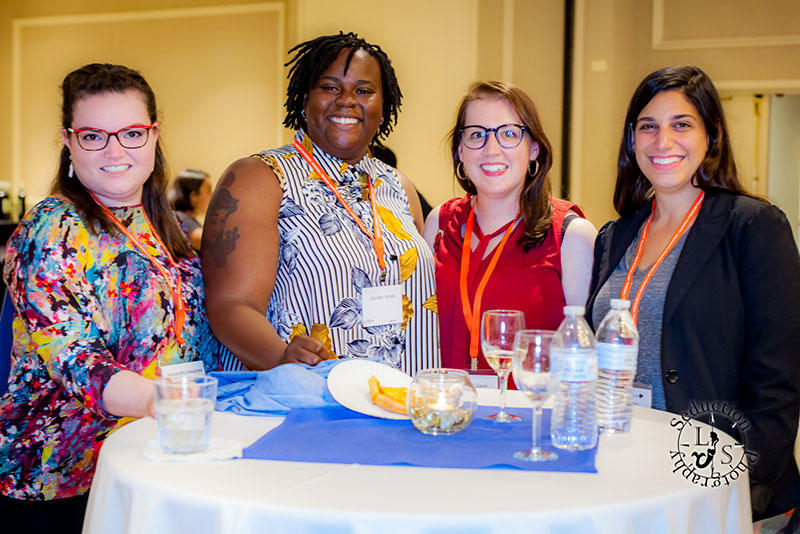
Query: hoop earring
460, 171
71, 171
303, 113
536, 161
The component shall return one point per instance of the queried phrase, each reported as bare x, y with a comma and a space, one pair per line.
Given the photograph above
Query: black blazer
731, 328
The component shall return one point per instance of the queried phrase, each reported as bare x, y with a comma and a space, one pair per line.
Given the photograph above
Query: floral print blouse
87, 306
326, 260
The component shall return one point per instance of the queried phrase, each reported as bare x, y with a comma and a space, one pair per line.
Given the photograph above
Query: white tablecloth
634, 491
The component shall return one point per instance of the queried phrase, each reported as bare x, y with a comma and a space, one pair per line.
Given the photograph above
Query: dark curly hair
313, 58
102, 78
718, 169
534, 199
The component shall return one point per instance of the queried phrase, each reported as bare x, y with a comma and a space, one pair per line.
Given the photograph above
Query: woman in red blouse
526, 250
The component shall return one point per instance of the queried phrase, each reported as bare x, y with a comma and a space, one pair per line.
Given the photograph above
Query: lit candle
441, 404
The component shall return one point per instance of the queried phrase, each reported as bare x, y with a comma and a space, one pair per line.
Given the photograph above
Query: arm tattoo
222, 205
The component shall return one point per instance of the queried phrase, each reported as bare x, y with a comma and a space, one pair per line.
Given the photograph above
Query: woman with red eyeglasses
106, 290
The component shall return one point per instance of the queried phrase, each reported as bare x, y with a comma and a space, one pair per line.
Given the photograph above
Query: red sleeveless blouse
528, 281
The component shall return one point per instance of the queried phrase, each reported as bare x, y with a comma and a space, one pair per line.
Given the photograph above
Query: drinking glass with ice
183, 411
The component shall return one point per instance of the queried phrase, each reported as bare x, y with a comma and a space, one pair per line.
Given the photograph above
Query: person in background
712, 272
304, 244
190, 194
506, 243
106, 289
387, 155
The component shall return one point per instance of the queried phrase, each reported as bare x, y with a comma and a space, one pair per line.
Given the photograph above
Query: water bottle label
576, 366
616, 357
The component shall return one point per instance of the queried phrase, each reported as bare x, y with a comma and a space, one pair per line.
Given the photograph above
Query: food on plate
388, 398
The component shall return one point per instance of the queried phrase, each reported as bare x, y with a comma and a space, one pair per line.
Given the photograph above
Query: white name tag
178, 370
483, 380
381, 305
643, 395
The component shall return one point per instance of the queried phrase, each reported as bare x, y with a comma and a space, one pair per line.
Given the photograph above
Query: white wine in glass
497, 342
538, 376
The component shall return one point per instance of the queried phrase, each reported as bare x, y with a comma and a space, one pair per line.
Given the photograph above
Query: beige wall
217, 71
740, 44
438, 48
433, 56
220, 79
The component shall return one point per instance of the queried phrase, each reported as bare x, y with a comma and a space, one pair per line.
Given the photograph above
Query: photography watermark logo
711, 447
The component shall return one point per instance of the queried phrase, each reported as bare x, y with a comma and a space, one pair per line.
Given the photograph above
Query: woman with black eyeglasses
507, 243
107, 291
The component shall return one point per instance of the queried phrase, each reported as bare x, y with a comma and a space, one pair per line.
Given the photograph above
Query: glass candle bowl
441, 401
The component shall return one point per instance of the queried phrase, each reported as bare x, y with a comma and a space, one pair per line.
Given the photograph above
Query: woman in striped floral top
312, 234
96, 273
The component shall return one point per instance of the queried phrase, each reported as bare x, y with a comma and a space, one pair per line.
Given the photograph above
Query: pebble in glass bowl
441, 401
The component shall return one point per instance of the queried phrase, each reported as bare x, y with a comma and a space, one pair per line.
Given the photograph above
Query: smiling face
115, 174
496, 171
670, 142
343, 110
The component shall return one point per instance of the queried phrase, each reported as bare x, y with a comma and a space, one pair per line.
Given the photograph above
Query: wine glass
538, 376
497, 342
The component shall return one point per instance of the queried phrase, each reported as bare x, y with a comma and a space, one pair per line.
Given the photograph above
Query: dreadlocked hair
104, 78
312, 59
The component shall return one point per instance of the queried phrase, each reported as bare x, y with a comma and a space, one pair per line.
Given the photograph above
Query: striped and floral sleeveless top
325, 261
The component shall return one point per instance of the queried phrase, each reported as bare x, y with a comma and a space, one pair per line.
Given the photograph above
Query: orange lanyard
177, 291
690, 216
377, 236
472, 314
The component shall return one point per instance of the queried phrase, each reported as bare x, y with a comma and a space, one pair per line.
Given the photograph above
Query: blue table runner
339, 435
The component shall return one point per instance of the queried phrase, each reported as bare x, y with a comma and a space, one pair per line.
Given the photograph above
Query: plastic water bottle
617, 353
574, 423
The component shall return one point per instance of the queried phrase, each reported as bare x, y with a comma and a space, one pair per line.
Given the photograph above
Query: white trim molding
508, 41
759, 86
576, 129
659, 42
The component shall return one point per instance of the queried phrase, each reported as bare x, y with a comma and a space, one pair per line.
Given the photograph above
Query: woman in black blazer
719, 314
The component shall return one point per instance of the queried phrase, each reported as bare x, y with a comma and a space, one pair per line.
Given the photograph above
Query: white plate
348, 382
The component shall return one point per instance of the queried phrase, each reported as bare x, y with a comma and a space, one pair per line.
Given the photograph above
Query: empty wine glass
538, 376
497, 342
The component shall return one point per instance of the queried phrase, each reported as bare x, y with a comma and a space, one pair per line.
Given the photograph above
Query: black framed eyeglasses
97, 138
507, 135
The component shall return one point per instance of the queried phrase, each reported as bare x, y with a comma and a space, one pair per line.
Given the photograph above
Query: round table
635, 490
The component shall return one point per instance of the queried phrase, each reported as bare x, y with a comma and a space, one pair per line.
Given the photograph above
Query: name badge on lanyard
484, 380
177, 370
381, 305
643, 395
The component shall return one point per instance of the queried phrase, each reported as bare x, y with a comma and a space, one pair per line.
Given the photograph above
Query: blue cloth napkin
276, 391
339, 435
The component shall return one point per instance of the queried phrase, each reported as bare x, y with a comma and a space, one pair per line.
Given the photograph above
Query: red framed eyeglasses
97, 138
